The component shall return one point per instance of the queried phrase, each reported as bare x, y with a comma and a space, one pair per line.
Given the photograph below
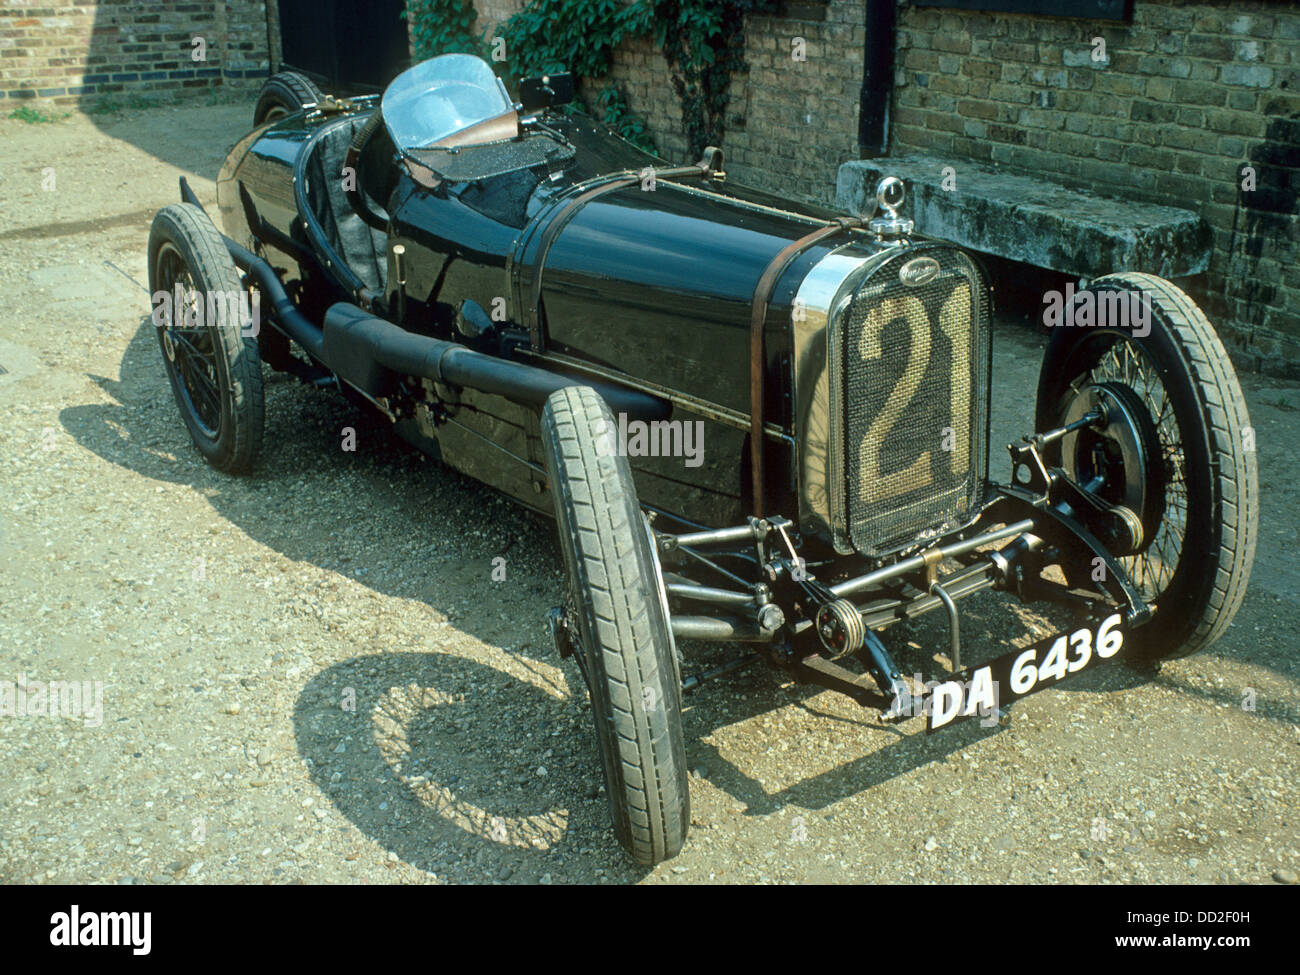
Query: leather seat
362, 247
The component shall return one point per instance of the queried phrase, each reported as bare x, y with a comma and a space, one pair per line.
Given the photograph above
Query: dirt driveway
310, 675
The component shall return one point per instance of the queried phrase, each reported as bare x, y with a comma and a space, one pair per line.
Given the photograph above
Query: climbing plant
704, 45
619, 117
577, 35
580, 36
702, 41
443, 27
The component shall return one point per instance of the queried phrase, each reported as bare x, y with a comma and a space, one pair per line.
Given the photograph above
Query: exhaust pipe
371, 353
284, 313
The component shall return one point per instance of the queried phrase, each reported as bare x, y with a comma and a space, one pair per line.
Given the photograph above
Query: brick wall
790, 122
492, 12
244, 57
62, 52
1187, 95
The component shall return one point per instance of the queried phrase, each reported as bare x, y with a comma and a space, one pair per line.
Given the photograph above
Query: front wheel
628, 658
203, 317
1179, 453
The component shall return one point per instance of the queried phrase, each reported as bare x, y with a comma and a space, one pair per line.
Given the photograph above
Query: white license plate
980, 691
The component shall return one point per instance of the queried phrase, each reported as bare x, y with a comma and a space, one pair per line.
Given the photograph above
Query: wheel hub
1121, 461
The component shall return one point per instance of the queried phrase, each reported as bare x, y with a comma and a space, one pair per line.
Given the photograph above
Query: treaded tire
1220, 470
283, 94
629, 665
183, 236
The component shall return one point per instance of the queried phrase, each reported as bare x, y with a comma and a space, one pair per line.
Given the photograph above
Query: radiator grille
913, 371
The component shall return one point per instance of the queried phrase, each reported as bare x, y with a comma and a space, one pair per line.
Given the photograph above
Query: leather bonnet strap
563, 214
710, 165
757, 359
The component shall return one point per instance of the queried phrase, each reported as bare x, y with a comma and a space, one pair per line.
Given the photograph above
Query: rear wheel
628, 656
283, 94
1179, 455
208, 347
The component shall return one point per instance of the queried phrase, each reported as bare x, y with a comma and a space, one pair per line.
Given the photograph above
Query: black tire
1209, 463
629, 661
283, 94
214, 368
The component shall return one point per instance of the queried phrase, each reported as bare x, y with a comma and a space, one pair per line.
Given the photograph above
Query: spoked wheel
1176, 458
211, 359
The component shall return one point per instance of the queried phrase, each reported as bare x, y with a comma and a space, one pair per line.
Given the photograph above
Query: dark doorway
345, 45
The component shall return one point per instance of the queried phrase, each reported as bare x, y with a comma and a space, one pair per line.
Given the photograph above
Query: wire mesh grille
914, 361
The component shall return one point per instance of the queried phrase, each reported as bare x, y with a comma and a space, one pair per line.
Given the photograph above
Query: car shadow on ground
414, 778
431, 791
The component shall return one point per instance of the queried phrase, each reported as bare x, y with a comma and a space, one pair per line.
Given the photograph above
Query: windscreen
445, 95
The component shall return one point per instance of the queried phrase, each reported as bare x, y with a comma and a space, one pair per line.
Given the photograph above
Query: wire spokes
193, 349
1152, 569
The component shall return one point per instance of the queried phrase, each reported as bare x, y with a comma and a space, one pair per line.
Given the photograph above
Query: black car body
811, 393
647, 288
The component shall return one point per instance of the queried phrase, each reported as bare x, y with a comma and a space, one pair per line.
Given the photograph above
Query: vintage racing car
752, 421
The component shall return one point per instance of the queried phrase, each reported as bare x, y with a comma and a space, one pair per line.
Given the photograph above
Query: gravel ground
308, 675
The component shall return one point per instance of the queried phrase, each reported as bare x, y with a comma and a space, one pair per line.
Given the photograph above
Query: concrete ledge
1024, 218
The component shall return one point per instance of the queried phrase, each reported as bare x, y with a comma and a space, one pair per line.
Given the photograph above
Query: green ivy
619, 117
443, 27
578, 35
704, 45
703, 42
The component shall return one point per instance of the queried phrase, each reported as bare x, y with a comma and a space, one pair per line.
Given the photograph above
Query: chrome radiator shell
919, 371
